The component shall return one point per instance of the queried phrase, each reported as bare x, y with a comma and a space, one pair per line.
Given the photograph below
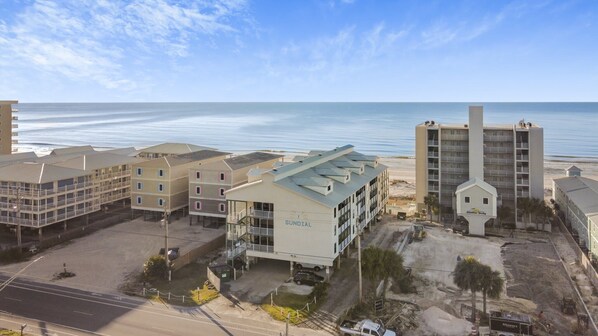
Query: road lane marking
9, 298
84, 313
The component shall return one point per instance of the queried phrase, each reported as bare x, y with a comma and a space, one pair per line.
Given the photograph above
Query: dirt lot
123, 249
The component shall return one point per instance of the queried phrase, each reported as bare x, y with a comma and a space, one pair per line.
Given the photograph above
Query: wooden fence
197, 252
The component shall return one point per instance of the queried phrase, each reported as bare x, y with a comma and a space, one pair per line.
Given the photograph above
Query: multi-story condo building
42, 191
308, 211
35, 195
162, 184
512, 161
577, 198
170, 149
209, 182
7, 124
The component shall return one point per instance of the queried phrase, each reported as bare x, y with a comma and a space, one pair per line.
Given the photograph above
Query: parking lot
103, 260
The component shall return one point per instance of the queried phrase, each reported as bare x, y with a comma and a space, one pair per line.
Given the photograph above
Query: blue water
386, 129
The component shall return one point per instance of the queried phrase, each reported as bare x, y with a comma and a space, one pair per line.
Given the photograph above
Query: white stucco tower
476, 199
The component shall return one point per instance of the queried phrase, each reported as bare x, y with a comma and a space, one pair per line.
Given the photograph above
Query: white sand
439, 322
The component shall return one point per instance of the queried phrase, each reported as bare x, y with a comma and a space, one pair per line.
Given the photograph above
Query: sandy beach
401, 172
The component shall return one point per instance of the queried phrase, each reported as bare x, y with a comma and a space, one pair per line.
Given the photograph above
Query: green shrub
155, 267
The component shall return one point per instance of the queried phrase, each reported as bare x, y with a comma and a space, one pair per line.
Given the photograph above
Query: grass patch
6, 332
189, 282
294, 305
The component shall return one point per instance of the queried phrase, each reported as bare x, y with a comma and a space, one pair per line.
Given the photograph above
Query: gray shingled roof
248, 160
37, 173
174, 148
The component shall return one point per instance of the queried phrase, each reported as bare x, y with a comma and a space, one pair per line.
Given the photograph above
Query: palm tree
503, 213
379, 264
467, 277
527, 207
431, 202
491, 284
544, 211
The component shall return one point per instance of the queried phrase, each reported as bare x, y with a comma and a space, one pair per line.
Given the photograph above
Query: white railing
522, 158
260, 248
522, 145
236, 216
261, 214
433, 154
261, 231
230, 254
522, 182
455, 148
456, 159
432, 142
522, 169
499, 138
523, 194
492, 149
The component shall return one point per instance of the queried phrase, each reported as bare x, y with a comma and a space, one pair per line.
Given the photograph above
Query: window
198, 175
198, 190
160, 202
221, 207
139, 200
160, 187
334, 212
197, 205
329, 188
221, 191
334, 247
139, 171
485, 200
466, 199
161, 172
221, 176
139, 186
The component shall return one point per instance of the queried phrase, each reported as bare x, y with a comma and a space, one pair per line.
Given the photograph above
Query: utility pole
359, 266
165, 223
17, 210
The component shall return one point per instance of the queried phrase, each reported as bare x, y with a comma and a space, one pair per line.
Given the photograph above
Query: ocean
385, 129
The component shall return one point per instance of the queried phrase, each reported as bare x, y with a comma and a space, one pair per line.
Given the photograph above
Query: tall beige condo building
163, 183
209, 182
508, 157
7, 124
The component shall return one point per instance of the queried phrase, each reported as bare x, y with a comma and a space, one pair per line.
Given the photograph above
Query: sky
298, 50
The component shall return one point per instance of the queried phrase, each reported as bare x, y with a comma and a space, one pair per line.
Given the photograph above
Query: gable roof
251, 159
31, 172
477, 182
72, 150
98, 160
177, 160
583, 192
8, 159
174, 148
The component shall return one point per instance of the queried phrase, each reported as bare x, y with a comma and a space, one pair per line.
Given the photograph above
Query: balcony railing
455, 148
237, 250
455, 159
260, 248
522, 181
522, 157
15, 125
432, 142
498, 161
261, 214
15, 118
522, 145
261, 231
14, 134
522, 169
433, 188
493, 149
15, 110
523, 194
433, 177
42, 192
433, 154
433, 165
498, 138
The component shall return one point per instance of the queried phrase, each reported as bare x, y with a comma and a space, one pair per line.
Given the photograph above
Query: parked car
173, 252
307, 278
315, 267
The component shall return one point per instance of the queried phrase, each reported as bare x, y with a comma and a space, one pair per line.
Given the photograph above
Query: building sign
297, 222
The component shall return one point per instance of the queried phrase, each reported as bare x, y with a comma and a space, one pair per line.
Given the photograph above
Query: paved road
53, 310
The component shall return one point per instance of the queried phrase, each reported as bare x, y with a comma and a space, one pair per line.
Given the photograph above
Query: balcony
455, 159
15, 118
522, 157
499, 138
260, 248
494, 149
522, 145
254, 230
261, 214
433, 188
232, 253
14, 134
433, 154
455, 148
433, 165
15, 125
432, 142
522, 182
523, 169
498, 172
433, 177
14, 142
15, 110
522, 194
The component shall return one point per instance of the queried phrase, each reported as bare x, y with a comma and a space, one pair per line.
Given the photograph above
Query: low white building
476, 202
308, 211
577, 198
